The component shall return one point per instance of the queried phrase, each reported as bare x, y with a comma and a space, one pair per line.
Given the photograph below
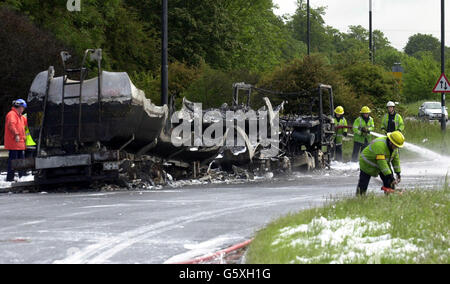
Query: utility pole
370, 33
443, 122
164, 55
308, 33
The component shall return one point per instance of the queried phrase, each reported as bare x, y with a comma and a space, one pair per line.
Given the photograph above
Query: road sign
442, 86
398, 75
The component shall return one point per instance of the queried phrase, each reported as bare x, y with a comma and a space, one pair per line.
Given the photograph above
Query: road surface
165, 226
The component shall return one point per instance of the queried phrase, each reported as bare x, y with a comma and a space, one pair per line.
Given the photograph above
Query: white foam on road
4, 184
104, 250
107, 206
345, 167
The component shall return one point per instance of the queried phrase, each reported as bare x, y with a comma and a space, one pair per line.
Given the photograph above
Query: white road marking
33, 223
103, 251
108, 206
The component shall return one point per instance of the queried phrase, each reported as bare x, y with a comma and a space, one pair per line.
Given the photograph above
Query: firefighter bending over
377, 158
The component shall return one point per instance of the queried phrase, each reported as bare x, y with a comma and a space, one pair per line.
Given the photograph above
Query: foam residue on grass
345, 241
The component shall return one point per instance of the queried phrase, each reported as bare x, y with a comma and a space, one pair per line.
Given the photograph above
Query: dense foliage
211, 45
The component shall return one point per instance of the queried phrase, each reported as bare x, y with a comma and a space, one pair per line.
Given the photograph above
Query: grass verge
412, 109
413, 228
428, 135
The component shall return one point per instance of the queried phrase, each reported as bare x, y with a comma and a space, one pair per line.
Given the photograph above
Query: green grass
412, 109
428, 135
420, 218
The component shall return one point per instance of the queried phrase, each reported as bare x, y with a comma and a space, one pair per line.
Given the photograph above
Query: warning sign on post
442, 86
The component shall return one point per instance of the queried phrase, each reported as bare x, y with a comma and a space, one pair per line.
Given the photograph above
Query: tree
215, 87
423, 43
181, 77
353, 47
372, 81
387, 57
320, 40
353, 53
265, 39
361, 34
228, 34
421, 73
305, 75
358, 33
128, 43
22, 56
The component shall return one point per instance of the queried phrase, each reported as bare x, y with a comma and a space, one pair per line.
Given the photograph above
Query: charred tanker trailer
84, 126
105, 129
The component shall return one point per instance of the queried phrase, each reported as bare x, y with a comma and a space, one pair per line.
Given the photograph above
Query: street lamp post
308, 33
444, 121
164, 55
370, 33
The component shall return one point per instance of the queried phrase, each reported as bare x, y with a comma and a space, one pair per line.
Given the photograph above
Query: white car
432, 111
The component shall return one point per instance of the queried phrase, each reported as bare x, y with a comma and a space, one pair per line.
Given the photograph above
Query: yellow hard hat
366, 110
397, 139
339, 110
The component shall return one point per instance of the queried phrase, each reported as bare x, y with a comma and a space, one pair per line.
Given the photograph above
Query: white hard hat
391, 104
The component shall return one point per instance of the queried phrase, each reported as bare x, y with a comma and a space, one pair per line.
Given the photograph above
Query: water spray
424, 152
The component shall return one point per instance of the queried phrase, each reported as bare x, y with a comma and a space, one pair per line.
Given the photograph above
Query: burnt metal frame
328, 144
50, 76
323, 88
237, 87
96, 54
314, 100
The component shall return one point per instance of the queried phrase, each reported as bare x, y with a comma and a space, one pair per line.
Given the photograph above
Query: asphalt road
164, 226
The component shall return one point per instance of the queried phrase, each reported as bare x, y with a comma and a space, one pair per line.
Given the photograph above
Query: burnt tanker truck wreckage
105, 130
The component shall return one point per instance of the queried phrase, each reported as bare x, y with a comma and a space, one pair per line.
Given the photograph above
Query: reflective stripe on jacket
377, 158
339, 137
399, 123
358, 125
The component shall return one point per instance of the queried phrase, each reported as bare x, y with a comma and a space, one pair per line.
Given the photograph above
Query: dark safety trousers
14, 155
338, 153
357, 149
364, 180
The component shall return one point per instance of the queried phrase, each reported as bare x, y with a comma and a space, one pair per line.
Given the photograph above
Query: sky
398, 19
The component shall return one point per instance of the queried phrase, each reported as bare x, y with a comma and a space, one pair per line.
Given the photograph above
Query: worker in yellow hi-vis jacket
29, 142
341, 131
362, 127
377, 159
